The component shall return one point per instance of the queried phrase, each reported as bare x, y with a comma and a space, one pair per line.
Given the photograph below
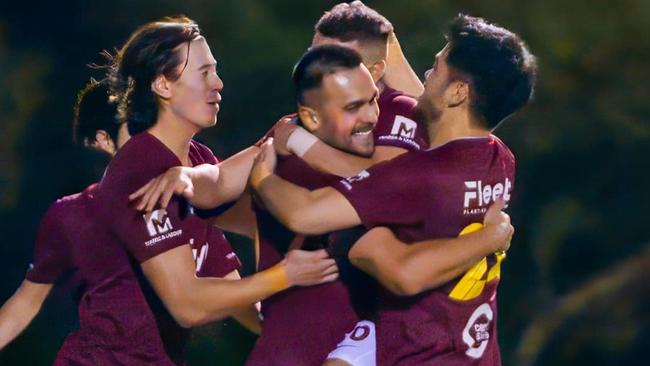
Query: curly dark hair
150, 51
501, 70
354, 21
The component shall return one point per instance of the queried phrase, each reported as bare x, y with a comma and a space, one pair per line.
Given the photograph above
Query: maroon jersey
115, 323
122, 238
396, 125
433, 194
302, 324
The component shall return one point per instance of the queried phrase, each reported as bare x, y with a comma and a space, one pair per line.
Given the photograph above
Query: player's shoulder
501, 147
143, 157
71, 206
395, 101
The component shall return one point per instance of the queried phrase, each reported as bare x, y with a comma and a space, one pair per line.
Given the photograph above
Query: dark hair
150, 51
501, 69
94, 111
318, 62
354, 21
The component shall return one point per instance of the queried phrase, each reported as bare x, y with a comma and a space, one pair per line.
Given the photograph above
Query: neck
175, 134
452, 126
380, 85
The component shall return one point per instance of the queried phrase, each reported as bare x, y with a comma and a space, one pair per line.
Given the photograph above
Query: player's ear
377, 70
103, 142
309, 118
457, 93
162, 87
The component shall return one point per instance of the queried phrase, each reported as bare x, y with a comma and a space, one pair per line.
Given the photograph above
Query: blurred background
575, 288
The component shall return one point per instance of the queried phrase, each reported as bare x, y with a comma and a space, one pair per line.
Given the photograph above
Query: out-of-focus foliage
574, 291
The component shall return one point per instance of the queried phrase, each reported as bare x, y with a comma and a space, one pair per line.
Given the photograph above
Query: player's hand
498, 222
306, 268
159, 190
264, 164
283, 129
271, 131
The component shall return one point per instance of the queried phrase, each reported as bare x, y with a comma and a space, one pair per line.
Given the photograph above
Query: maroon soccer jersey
138, 237
115, 323
302, 324
58, 231
433, 194
395, 125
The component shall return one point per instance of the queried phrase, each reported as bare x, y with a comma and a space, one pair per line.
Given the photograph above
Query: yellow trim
472, 283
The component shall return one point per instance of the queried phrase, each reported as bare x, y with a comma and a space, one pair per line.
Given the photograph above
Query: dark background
575, 285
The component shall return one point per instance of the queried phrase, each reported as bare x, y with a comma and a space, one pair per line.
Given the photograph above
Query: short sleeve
51, 255
396, 126
215, 258
386, 194
147, 235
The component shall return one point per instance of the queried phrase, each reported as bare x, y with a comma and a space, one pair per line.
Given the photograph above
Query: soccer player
168, 88
484, 74
302, 325
355, 26
62, 228
364, 30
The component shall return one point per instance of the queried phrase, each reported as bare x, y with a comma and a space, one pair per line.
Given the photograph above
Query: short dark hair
354, 21
501, 69
94, 111
149, 52
320, 61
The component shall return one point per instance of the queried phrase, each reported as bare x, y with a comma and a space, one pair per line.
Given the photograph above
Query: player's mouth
214, 102
363, 129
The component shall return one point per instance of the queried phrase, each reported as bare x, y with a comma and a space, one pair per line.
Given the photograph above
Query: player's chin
364, 148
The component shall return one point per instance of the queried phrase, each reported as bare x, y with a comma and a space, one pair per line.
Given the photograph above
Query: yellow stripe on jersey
473, 281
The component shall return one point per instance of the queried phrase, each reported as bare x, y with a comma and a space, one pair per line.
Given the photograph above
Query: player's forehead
199, 54
349, 85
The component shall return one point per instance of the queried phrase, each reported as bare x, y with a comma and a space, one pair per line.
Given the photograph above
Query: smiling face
346, 111
195, 95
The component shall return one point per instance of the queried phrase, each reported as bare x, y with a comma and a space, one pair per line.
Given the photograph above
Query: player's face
436, 81
348, 111
195, 95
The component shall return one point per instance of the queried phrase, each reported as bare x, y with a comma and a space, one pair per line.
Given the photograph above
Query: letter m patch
404, 127
158, 222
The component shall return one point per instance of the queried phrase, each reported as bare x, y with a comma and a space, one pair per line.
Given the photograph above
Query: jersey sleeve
216, 258
51, 255
386, 194
396, 126
148, 235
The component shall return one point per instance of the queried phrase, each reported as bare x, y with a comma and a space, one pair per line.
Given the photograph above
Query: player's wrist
498, 236
278, 277
259, 177
300, 141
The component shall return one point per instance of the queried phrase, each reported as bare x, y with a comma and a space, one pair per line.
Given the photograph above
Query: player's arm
294, 139
300, 210
410, 269
204, 186
248, 316
239, 219
194, 301
399, 74
19, 310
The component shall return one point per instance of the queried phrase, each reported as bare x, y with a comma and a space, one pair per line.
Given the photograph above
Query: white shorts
359, 347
